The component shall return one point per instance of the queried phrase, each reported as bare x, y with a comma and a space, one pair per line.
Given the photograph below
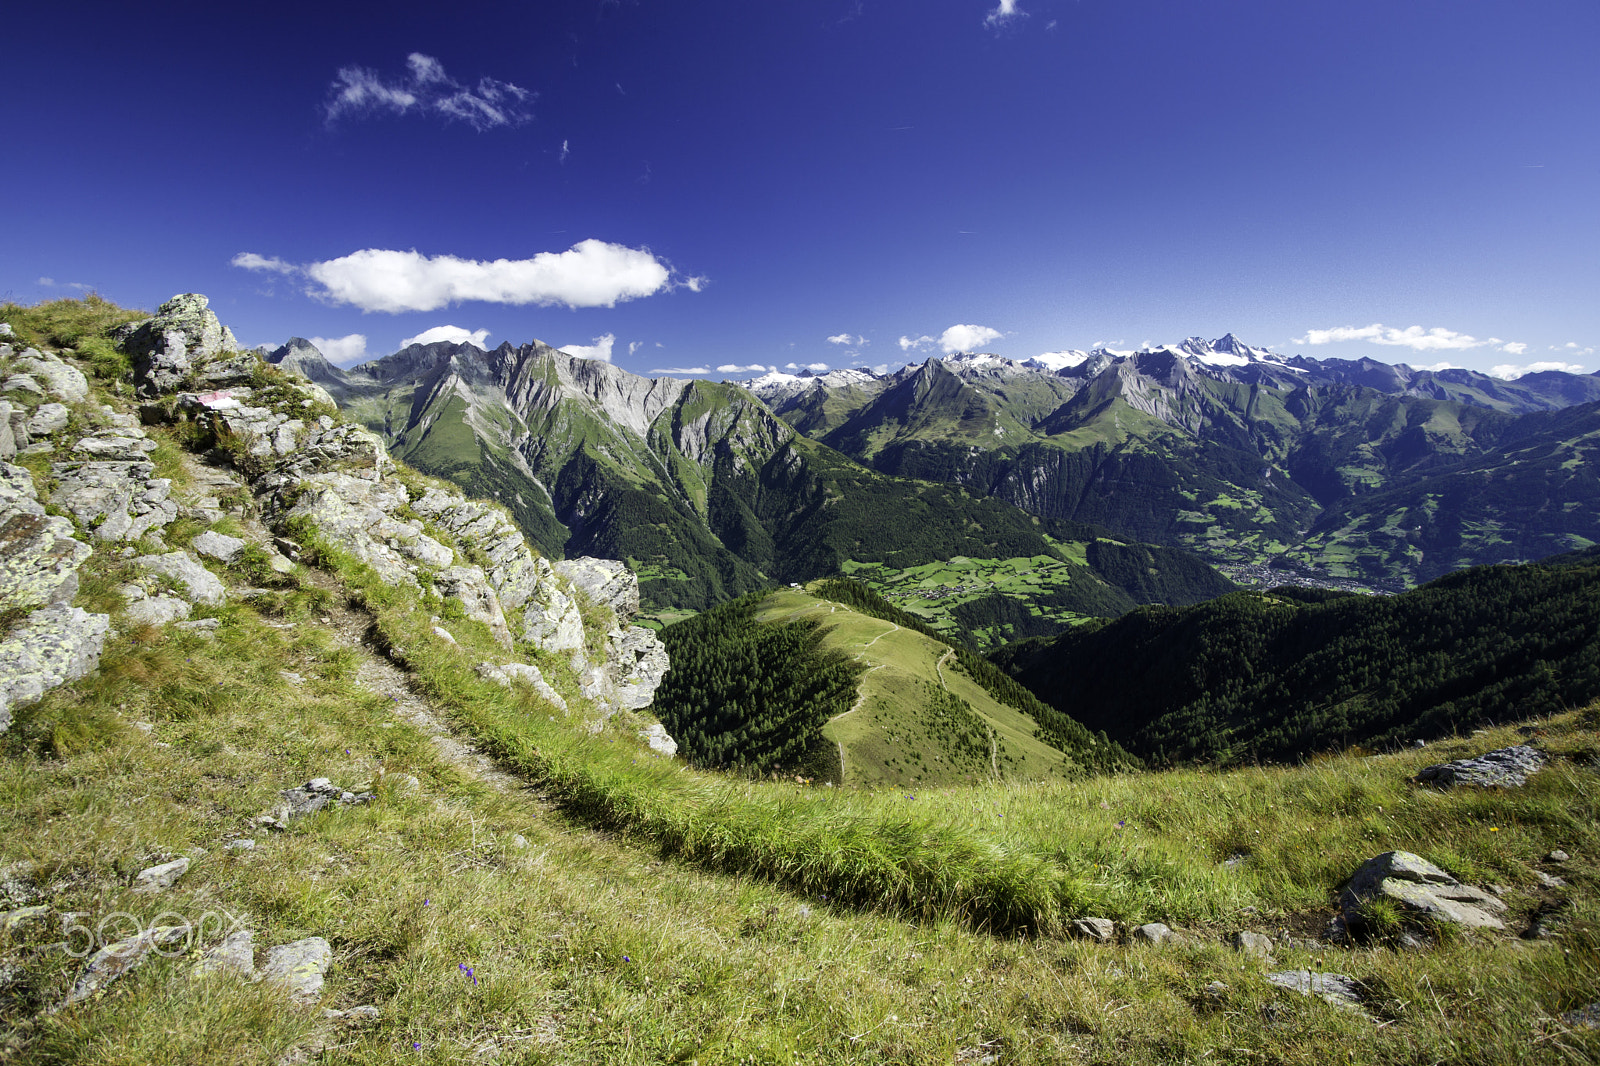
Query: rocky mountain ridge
310, 476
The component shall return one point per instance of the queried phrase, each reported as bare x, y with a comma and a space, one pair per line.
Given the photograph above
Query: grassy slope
897, 736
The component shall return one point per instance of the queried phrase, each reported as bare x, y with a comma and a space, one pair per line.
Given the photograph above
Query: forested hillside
1282, 674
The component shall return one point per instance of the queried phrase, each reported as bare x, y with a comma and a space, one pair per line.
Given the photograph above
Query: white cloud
817, 368
452, 334
909, 345
591, 273
753, 368
1414, 337
344, 351
634, 346
681, 370
564, 151
967, 338
1511, 373
845, 338
1436, 367
252, 261
427, 89
1004, 13
600, 349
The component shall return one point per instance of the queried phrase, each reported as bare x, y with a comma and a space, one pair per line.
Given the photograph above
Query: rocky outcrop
1422, 892
605, 582
1505, 768
50, 647
56, 377
39, 557
184, 344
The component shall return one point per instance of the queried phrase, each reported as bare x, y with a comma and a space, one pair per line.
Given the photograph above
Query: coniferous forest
751, 697
1283, 674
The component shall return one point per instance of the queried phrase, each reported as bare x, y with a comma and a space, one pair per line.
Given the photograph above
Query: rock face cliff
313, 476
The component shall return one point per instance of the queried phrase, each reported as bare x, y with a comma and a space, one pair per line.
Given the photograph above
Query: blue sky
844, 182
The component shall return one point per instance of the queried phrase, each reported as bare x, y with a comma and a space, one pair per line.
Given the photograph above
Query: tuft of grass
67, 323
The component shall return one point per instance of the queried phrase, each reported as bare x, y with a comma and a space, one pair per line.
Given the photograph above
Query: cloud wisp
962, 337
1507, 372
1437, 339
425, 88
451, 334
600, 349
1005, 11
734, 368
592, 273
846, 339
677, 370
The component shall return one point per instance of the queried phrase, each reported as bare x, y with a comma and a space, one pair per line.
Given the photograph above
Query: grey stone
1558, 856
519, 841
659, 739
39, 557
510, 672
22, 383
52, 646
299, 968
236, 954
162, 877
47, 419
204, 628
168, 349
115, 960
117, 500
218, 546
124, 448
1098, 929
551, 620
1152, 933
357, 515
470, 586
605, 582
60, 379
239, 845
443, 634
13, 919
200, 584
1254, 944
362, 1015
1505, 768
157, 611
1335, 988
12, 419
1587, 1017
1421, 889
637, 661
1549, 880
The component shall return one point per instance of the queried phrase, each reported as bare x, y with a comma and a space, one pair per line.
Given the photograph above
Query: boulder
117, 959
605, 582
298, 968
50, 647
162, 877
47, 419
39, 557
157, 611
13, 429
659, 739
199, 585
176, 344
1102, 930
1254, 944
469, 586
118, 500
1152, 933
1505, 768
1422, 891
236, 954
218, 546
1334, 988
636, 661
551, 620
59, 379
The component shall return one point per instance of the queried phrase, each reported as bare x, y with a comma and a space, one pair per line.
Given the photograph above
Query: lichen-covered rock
1505, 768
298, 968
199, 585
469, 586
358, 516
39, 557
217, 546
1421, 890
162, 877
606, 582
659, 739
1334, 988
157, 611
50, 647
551, 619
48, 418
236, 954
510, 672
117, 500
636, 660
178, 342
59, 379
516, 575
114, 960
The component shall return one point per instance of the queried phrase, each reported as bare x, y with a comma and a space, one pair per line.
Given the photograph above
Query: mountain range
1262, 464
